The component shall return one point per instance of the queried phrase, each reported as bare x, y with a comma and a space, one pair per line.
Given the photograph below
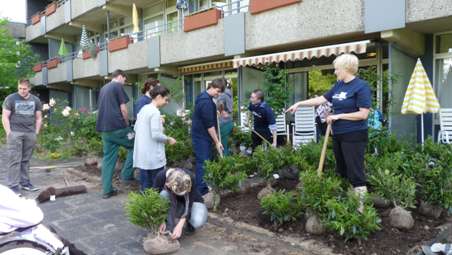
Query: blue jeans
203, 151
198, 214
147, 177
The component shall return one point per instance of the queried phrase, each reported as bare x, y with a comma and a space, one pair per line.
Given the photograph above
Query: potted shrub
149, 210
38, 67
223, 175
202, 19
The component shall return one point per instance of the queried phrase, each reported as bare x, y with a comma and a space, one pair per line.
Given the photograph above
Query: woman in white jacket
149, 149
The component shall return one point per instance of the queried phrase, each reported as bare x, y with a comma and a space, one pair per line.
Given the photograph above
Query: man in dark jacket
204, 133
263, 118
113, 123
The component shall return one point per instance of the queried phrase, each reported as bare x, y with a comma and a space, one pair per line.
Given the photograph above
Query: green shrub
224, 174
147, 210
179, 130
241, 138
435, 186
398, 188
344, 218
382, 142
269, 161
316, 191
281, 206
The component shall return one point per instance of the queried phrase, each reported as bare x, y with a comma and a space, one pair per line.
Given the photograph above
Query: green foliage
399, 189
16, 60
320, 83
343, 217
382, 142
241, 138
282, 207
370, 75
225, 173
147, 210
269, 161
317, 191
276, 88
179, 130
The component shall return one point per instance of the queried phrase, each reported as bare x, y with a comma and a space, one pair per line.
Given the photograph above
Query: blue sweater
204, 116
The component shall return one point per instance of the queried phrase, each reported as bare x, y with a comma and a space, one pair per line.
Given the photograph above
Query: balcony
62, 72
79, 7
36, 30
36, 80
55, 15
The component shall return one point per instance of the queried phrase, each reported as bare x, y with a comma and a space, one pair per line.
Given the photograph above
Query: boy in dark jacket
204, 133
264, 119
187, 207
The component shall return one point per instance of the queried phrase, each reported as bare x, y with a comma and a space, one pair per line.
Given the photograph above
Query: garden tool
323, 154
220, 152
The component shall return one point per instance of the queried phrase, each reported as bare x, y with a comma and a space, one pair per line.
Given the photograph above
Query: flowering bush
67, 132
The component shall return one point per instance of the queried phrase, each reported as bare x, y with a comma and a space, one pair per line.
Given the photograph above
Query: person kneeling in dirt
187, 210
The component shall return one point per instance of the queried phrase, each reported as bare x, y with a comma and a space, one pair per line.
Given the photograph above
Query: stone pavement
97, 226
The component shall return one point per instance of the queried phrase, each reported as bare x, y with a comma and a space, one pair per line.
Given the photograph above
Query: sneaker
29, 187
112, 193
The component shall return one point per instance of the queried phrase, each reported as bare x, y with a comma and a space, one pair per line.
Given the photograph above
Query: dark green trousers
225, 132
111, 142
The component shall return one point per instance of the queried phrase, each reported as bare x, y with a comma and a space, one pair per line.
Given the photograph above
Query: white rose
72, 133
65, 113
45, 107
68, 108
52, 102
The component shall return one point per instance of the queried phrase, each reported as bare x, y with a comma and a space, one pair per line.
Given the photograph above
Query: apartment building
186, 44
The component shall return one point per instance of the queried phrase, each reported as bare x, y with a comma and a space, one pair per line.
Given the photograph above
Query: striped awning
206, 67
325, 51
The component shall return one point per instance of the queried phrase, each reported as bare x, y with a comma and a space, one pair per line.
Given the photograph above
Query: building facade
187, 44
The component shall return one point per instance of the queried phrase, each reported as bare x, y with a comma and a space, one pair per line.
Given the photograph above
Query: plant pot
51, 8
35, 19
53, 63
258, 6
119, 44
38, 67
203, 19
87, 54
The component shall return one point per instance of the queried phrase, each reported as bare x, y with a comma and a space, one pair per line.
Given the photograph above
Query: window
444, 43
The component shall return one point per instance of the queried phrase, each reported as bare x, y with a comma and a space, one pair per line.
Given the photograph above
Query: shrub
382, 142
398, 188
147, 210
269, 161
241, 138
281, 206
179, 130
435, 186
344, 218
317, 191
224, 174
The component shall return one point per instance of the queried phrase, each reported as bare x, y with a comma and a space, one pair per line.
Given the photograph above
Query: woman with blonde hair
351, 100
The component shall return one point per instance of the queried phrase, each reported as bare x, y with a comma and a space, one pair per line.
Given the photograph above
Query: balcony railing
234, 7
43, 12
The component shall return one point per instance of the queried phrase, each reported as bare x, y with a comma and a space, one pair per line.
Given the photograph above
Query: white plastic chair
445, 123
244, 121
281, 129
304, 128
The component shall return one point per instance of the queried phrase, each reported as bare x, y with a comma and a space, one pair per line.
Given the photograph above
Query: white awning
325, 51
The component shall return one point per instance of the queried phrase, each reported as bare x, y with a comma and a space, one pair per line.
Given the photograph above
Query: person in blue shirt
351, 100
145, 99
204, 134
263, 118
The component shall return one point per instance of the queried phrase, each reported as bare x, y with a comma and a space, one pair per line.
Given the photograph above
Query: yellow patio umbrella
420, 97
135, 21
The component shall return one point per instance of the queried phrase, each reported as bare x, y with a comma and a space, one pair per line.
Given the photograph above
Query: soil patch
245, 207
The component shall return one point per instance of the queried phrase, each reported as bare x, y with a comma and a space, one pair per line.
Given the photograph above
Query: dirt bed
245, 207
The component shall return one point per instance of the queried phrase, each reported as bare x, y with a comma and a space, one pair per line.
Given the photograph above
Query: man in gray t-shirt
22, 119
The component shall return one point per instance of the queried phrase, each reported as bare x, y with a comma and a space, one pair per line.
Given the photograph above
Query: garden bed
245, 207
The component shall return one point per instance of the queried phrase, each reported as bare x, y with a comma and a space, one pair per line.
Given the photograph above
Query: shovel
323, 154
220, 152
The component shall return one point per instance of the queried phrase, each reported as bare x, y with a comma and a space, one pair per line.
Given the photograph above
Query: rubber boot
361, 192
